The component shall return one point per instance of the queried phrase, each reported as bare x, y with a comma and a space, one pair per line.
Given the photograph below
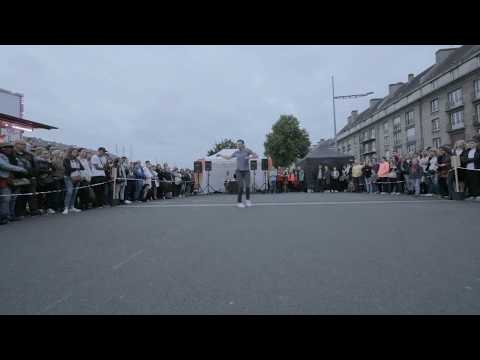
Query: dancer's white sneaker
241, 205
248, 203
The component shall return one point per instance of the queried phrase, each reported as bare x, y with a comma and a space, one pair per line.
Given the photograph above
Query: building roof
25, 122
325, 149
454, 59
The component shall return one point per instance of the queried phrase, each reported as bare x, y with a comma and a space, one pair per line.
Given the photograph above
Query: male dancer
243, 171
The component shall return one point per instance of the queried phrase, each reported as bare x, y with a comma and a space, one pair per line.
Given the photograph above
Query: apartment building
436, 107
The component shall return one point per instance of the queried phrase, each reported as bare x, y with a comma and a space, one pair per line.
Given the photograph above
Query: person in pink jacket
383, 171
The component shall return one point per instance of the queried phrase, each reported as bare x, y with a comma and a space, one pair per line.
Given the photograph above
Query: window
411, 148
437, 143
386, 127
435, 125
396, 124
349, 147
434, 105
477, 114
387, 154
343, 148
456, 120
476, 87
409, 118
386, 140
455, 98
411, 134
373, 146
396, 139
372, 132
365, 135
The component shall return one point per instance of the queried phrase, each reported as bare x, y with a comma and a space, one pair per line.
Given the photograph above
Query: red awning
24, 122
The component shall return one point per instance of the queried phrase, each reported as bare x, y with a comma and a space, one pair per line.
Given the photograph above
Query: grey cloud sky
171, 103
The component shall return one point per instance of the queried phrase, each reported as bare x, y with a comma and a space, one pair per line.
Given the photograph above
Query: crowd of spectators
426, 173
47, 180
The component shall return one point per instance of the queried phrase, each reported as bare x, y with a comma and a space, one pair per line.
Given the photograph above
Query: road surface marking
131, 257
56, 303
288, 204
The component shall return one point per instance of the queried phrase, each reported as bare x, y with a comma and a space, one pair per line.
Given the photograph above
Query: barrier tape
84, 187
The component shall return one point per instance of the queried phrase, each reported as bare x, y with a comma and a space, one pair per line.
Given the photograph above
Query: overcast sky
171, 103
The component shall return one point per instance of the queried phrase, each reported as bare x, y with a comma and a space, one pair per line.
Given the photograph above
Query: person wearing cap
99, 163
470, 160
6, 170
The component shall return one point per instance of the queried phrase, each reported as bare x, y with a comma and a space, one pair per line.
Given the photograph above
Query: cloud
172, 103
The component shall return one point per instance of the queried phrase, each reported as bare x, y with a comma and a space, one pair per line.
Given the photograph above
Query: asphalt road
289, 254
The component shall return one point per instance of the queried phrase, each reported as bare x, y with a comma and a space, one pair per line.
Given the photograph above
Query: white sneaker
128, 202
248, 203
50, 211
65, 212
241, 205
75, 210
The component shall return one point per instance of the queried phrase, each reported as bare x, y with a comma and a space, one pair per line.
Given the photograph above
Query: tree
287, 141
224, 144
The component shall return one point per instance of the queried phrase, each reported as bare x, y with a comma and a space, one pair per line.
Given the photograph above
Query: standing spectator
415, 173
73, 169
6, 168
443, 163
139, 180
320, 178
471, 161
374, 178
335, 179
122, 176
393, 179
301, 179
99, 164
327, 178
29, 163
431, 177
357, 176
367, 175
383, 171
86, 175
46, 183
459, 151
273, 180
58, 177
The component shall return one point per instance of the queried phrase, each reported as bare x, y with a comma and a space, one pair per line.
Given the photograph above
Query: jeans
415, 185
243, 178
432, 183
5, 203
368, 184
71, 191
138, 189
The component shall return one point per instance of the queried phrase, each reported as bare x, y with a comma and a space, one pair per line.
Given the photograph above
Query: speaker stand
208, 184
199, 189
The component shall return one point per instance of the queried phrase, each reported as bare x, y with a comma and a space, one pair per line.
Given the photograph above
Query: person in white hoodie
148, 180
86, 174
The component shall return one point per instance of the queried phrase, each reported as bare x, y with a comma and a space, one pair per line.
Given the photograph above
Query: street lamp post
341, 97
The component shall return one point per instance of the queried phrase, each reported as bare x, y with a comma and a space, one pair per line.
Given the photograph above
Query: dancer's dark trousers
243, 178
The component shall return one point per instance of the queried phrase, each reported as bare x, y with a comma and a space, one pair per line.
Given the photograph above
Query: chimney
410, 77
354, 114
392, 88
442, 54
374, 102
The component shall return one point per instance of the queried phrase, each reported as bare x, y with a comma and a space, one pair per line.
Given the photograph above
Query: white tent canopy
225, 169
